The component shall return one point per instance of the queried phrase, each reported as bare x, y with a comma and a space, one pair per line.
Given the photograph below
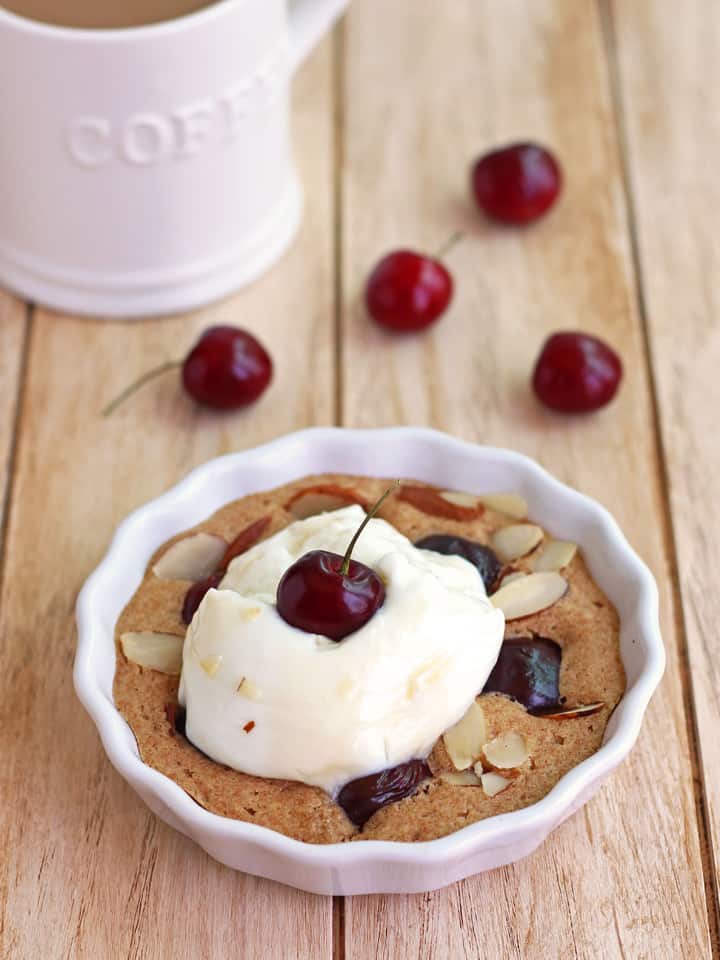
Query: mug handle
309, 19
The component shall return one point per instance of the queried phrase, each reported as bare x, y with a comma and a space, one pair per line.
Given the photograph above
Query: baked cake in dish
486, 666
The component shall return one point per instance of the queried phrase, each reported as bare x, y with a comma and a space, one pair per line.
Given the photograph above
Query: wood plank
13, 323
670, 73
625, 873
87, 871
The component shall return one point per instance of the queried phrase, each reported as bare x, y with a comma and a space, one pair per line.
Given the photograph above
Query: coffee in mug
103, 14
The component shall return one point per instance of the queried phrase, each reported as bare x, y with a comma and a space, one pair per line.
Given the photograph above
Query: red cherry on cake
516, 184
408, 291
576, 373
326, 593
228, 368
318, 595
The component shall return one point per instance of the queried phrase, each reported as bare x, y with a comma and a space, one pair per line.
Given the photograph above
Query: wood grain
87, 871
623, 878
13, 324
669, 74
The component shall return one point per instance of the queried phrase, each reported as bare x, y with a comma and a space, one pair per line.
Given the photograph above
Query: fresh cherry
226, 369
361, 798
480, 556
325, 593
408, 291
576, 373
528, 671
319, 595
516, 184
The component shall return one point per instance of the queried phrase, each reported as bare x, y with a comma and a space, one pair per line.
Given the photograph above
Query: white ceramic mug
149, 170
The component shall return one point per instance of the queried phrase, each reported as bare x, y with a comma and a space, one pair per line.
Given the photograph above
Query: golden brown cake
522, 754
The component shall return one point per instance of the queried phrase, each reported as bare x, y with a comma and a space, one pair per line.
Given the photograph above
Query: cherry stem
373, 510
140, 382
451, 241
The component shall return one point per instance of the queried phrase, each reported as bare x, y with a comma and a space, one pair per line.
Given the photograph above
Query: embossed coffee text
147, 138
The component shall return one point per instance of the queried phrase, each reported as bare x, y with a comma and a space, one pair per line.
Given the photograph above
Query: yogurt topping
268, 699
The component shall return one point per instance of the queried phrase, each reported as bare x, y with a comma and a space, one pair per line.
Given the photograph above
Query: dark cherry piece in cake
195, 594
363, 797
242, 542
176, 718
528, 671
480, 556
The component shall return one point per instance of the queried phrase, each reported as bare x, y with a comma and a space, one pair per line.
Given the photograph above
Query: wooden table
389, 113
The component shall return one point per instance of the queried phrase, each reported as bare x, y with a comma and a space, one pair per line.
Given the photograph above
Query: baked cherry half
516, 184
480, 556
361, 798
576, 373
528, 670
325, 593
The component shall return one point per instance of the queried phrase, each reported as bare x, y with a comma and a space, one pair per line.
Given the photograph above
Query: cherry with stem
140, 382
329, 594
408, 291
228, 368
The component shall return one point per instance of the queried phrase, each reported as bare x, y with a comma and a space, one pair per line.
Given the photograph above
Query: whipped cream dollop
269, 699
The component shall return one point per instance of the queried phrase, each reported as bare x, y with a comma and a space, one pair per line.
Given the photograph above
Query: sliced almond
460, 499
245, 539
441, 503
322, 498
493, 783
571, 713
510, 577
508, 751
246, 688
530, 594
157, 651
345, 688
462, 778
516, 540
425, 675
251, 613
511, 504
556, 555
192, 558
464, 741
211, 664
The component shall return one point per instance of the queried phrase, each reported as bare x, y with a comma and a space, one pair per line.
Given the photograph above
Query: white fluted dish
370, 866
